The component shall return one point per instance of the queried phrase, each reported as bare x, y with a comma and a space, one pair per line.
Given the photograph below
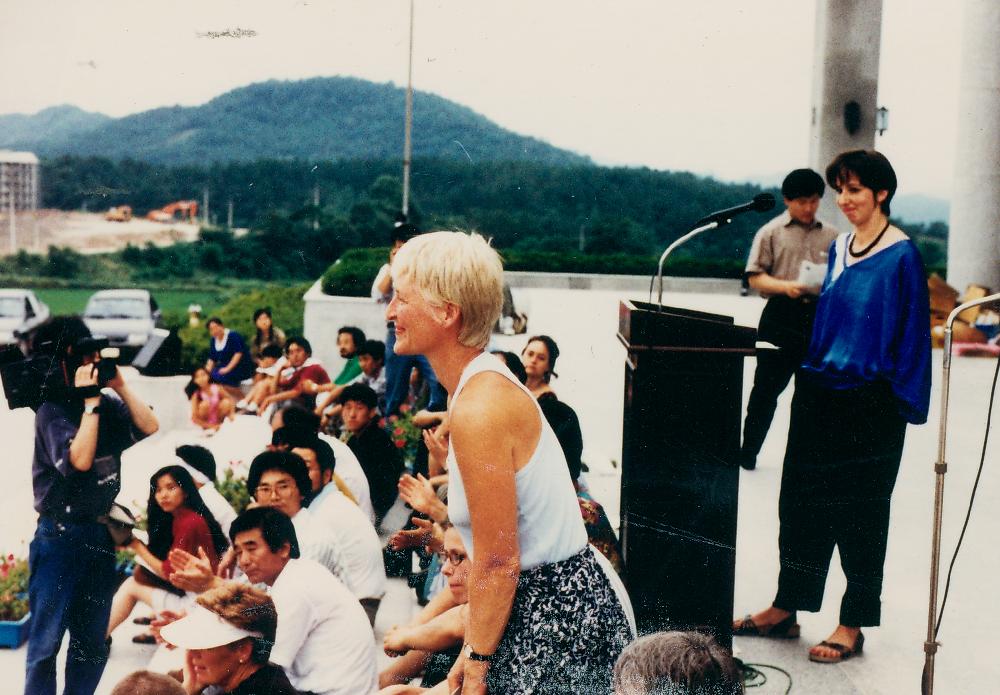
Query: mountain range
323, 118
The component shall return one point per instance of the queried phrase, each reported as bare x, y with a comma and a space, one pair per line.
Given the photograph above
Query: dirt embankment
87, 232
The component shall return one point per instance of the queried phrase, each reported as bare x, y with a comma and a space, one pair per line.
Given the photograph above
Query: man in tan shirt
786, 265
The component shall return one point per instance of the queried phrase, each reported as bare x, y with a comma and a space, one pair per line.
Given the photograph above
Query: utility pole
229, 215
316, 206
407, 139
205, 204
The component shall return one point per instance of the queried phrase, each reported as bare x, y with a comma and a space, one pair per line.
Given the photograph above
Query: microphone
761, 202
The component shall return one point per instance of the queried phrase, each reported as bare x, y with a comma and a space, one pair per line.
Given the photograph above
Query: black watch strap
476, 656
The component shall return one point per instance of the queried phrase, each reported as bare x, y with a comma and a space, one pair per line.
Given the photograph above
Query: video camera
43, 375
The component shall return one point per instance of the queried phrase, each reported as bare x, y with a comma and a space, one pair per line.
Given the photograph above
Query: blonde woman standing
543, 616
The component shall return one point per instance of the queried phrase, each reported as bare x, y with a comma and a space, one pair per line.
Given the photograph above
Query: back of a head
403, 231
514, 364
199, 458
297, 417
676, 663
148, 683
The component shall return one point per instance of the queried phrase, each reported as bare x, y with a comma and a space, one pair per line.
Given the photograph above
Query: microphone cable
753, 677
972, 499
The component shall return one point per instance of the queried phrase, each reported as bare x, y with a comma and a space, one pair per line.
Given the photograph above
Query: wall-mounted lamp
881, 119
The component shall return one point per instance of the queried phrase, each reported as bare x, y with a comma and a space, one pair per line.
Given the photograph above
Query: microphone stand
677, 242
940, 468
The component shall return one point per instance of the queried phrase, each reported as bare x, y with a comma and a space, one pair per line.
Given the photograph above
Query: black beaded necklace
865, 250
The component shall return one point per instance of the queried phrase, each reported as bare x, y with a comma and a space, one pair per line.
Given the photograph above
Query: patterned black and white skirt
566, 629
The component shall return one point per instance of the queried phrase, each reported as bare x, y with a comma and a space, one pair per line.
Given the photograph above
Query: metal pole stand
940, 468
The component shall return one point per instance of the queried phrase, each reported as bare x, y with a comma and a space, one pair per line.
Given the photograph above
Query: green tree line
523, 206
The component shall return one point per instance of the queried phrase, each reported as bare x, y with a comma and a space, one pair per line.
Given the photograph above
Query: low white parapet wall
325, 314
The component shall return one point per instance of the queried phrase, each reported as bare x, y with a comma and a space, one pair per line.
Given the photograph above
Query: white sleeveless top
549, 525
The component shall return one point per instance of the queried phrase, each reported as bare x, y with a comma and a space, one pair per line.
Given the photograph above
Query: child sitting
264, 379
210, 404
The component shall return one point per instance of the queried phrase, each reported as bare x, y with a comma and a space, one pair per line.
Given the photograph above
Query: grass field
73, 300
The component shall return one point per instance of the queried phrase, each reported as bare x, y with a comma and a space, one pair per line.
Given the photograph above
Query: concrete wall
974, 239
325, 314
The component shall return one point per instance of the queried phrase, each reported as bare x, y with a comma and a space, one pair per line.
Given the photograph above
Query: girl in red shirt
178, 518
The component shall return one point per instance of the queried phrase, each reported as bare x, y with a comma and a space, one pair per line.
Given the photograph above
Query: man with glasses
280, 479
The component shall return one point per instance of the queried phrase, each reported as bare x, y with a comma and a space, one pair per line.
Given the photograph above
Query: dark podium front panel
680, 477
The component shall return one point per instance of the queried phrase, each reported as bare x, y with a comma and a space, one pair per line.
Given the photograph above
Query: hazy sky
713, 86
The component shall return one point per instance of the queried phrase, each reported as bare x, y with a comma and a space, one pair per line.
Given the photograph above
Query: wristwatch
92, 409
475, 656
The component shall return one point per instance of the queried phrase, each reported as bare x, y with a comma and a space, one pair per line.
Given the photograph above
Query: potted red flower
15, 617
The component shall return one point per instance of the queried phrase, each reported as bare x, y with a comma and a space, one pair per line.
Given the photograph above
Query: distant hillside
54, 124
920, 208
334, 118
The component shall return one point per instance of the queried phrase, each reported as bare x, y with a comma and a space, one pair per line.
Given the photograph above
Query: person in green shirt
349, 339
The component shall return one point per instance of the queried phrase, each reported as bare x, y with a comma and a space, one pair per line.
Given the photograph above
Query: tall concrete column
974, 227
845, 86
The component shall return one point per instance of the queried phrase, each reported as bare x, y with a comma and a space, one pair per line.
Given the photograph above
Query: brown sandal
843, 651
785, 629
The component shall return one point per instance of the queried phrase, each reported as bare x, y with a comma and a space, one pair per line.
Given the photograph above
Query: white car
125, 317
20, 313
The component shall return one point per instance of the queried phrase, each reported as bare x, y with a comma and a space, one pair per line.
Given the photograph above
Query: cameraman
80, 433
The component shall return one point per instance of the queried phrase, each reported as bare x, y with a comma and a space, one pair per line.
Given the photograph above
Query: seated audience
431, 642
229, 361
297, 382
354, 533
280, 479
324, 641
349, 469
228, 636
371, 358
378, 456
148, 683
200, 463
681, 663
210, 403
178, 518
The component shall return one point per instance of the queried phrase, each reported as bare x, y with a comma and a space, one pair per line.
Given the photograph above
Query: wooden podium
680, 475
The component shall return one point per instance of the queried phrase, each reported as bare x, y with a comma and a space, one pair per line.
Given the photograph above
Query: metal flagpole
407, 140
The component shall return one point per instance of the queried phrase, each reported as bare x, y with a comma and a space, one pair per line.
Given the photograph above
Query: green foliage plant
13, 588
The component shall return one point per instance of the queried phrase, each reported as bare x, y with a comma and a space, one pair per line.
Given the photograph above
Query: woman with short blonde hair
543, 616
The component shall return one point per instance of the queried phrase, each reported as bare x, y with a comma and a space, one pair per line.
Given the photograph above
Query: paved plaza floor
591, 379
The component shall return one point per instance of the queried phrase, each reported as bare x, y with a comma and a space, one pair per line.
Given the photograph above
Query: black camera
43, 375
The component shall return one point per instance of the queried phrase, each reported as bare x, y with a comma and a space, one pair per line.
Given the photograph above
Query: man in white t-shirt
280, 479
324, 642
331, 511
